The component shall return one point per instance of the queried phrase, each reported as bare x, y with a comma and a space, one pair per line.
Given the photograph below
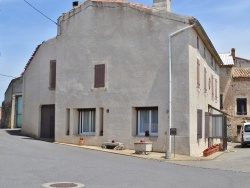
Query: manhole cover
63, 185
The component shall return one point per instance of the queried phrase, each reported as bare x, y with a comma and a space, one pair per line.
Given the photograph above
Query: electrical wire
40, 12
7, 76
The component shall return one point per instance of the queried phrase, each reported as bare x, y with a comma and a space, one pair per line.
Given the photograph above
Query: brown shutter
205, 80
216, 89
212, 86
99, 76
198, 73
52, 74
207, 122
199, 123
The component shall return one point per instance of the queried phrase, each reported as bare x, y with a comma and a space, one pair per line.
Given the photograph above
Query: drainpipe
168, 153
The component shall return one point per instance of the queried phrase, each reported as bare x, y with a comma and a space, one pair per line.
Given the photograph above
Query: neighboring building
235, 91
105, 76
12, 105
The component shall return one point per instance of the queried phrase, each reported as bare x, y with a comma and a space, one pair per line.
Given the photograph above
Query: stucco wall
198, 97
134, 47
132, 42
36, 90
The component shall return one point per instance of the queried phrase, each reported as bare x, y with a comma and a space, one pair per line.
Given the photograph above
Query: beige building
12, 105
235, 91
119, 69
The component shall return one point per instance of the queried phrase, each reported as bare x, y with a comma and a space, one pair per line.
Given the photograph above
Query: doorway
48, 122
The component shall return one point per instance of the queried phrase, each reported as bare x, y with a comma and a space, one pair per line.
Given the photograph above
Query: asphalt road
235, 159
29, 163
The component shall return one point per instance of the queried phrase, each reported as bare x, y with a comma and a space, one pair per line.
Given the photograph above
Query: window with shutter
241, 106
198, 73
199, 123
52, 84
99, 76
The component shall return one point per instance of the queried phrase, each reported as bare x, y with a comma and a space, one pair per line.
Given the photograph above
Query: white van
245, 134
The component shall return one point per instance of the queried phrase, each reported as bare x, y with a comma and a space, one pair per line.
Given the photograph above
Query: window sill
146, 136
99, 89
51, 89
87, 134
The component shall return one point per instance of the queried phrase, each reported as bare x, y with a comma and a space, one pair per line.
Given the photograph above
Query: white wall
36, 90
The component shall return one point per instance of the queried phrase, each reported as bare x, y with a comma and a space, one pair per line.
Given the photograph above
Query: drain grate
63, 185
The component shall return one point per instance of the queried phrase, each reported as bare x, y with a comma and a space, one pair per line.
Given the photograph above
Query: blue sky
22, 28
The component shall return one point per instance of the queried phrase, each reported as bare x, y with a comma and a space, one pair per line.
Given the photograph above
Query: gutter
168, 153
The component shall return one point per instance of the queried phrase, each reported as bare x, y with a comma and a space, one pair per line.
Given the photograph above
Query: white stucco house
106, 76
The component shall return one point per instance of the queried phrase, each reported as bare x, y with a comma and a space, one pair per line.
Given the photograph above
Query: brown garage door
48, 121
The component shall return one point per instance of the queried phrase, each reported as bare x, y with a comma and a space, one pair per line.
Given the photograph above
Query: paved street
235, 159
29, 163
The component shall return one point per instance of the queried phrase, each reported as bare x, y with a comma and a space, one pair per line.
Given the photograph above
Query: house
235, 95
110, 74
12, 105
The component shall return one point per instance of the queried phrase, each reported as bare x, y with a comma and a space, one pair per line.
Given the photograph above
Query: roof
241, 72
226, 58
31, 58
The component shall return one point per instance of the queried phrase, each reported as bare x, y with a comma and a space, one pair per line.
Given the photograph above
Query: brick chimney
162, 4
233, 53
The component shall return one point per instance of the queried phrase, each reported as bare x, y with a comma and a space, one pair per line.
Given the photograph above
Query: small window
204, 52
212, 61
198, 73
241, 106
86, 121
147, 121
221, 101
99, 76
238, 129
52, 79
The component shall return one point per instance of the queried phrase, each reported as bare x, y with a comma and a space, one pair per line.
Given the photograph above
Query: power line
7, 76
40, 12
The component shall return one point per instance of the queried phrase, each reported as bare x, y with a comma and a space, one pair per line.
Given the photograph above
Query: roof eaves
31, 58
204, 37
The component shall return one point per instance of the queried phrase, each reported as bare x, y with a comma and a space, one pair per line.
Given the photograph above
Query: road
235, 159
29, 163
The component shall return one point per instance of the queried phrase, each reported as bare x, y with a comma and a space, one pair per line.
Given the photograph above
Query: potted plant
81, 141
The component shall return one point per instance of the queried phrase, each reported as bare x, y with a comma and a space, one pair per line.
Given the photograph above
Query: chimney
162, 5
75, 4
233, 53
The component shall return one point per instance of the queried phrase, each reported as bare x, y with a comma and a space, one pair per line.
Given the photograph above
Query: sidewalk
151, 155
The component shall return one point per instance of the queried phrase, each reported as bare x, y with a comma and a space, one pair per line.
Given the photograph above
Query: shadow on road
14, 132
17, 132
239, 146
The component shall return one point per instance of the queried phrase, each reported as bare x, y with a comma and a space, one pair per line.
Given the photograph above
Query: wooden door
48, 121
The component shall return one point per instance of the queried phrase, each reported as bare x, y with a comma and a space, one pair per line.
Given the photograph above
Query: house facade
235, 95
105, 76
12, 105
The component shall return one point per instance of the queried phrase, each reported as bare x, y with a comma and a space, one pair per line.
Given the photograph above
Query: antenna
40, 12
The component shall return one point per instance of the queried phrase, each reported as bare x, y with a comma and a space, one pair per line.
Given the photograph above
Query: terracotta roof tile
241, 73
